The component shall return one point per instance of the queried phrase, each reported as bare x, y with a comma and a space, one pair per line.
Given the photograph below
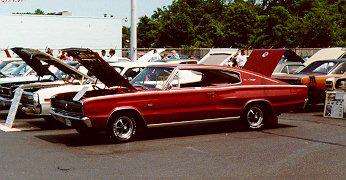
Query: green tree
239, 23
39, 12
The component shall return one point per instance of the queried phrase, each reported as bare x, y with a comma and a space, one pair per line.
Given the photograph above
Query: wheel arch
264, 102
127, 110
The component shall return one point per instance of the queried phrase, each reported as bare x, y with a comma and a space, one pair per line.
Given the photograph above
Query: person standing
69, 58
103, 54
156, 56
63, 56
112, 56
49, 51
241, 59
175, 55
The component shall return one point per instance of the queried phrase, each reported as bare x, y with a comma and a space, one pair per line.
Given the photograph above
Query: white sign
80, 94
14, 107
334, 105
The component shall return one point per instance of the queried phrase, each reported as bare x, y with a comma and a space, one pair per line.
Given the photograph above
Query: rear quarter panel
283, 97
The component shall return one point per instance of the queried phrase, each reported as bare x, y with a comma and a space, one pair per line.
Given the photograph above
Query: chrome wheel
123, 128
255, 117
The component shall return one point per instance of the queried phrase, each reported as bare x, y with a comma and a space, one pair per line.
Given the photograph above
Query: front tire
122, 128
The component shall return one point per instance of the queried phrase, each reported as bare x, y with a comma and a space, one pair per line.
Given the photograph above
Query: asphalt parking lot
304, 144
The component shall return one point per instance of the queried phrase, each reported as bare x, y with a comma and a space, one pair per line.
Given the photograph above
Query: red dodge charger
167, 95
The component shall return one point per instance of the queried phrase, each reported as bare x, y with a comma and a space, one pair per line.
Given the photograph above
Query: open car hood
98, 67
264, 61
34, 59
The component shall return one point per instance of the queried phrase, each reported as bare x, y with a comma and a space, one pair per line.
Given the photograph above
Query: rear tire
257, 116
122, 128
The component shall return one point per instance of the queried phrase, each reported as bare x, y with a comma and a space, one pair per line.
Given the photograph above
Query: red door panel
180, 105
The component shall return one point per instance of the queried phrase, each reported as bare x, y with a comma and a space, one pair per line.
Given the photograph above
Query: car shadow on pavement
74, 139
46, 124
36, 124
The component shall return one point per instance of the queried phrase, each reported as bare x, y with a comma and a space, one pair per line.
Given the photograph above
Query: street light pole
133, 30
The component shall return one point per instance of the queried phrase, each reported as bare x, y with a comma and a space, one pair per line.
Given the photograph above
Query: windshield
15, 69
3, 64
318, 67
152, 77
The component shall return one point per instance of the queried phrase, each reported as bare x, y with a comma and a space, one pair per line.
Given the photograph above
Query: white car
59, 74
218, 56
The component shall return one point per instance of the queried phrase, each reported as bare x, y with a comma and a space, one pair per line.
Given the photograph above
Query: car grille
67, 106
68, 113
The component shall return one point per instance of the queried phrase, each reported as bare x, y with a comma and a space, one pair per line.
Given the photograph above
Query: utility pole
133, 38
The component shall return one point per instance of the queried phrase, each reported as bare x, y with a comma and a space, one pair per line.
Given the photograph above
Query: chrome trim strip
193, 122
66, 117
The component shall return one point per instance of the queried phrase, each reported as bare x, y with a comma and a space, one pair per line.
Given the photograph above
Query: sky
90, 8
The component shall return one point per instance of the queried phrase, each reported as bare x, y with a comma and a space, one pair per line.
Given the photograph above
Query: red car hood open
264, 61
98, 67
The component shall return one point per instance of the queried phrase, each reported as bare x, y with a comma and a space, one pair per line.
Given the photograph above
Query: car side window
204, 78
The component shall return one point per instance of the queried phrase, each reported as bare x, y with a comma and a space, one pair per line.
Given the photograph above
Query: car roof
331, 60
139, 64
194, 66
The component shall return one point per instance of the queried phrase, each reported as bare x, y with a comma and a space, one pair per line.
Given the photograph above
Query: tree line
246, 24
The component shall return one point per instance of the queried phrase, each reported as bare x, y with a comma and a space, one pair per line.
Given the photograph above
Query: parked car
317, 83
336, 83
218, 56
327, 53
314, 76
60, 72
165, 95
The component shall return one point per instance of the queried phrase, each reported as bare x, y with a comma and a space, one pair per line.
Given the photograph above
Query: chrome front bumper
70, 120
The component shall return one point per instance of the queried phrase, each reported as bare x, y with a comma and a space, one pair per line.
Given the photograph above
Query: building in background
60, 31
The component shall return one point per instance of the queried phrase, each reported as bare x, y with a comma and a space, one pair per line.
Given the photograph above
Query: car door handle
150, 105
